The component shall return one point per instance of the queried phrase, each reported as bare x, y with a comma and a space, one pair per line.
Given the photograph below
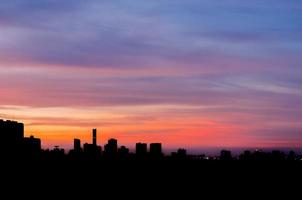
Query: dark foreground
152, 178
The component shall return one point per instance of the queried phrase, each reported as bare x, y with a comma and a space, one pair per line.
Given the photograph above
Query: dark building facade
31, 146
180, 154
156, 149
111, 148
141, 149
93, 151
94, 137
11, 132
11, 137
225, 155
77, 145
123, 151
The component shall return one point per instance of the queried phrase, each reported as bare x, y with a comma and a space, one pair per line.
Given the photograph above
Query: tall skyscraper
94, 137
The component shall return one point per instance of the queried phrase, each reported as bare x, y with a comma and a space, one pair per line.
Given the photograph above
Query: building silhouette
111, 148
31, 147
291, 156
11, 131
13, 145
123, 152
156, 150
57, 154
12, 135
246, 155
180, 154
94, 137
278, 155
141, 150
77, 152
77, 145
93, 151
225, 155
32, 143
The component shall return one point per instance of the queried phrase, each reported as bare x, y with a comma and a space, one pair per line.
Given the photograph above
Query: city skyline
16, 146
195, 74
96, 142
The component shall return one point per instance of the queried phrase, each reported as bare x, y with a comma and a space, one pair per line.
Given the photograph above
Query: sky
191, 74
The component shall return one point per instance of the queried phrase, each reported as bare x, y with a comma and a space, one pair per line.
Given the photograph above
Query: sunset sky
187, 73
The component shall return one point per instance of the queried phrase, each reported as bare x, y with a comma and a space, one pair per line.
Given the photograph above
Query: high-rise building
94, 137
12, 134
123, 151
156, 149
31, 146
11, 131
111, 147
77, 145
93, 151
141, 149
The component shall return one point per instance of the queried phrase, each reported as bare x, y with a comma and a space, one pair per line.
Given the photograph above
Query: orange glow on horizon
59, 126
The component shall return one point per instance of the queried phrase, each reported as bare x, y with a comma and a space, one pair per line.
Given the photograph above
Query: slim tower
94, 137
